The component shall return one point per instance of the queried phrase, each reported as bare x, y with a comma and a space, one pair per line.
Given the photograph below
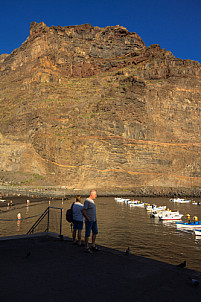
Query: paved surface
44, 268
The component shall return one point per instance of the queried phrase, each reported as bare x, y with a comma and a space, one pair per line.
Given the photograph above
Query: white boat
180, 200
149, 207
196, 203
194, 225
161, 208
127, 201
158, 212
155, 214
197, 232
168, 215
123, 200
118, 199
133, 202
140, 205
137, 204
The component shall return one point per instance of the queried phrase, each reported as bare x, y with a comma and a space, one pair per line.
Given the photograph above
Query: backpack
69, 214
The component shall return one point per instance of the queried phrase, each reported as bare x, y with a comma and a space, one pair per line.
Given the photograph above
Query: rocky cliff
85, 106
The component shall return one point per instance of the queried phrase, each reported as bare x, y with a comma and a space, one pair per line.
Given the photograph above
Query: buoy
18, 225
195, 218
19, 216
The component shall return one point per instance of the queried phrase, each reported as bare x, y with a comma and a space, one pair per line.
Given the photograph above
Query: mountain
89, 107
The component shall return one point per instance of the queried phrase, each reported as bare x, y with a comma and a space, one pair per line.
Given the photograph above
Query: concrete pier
44, 268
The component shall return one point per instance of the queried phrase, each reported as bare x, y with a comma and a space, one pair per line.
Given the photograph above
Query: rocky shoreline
64, 192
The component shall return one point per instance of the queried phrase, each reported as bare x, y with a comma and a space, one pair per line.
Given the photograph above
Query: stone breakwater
63, 192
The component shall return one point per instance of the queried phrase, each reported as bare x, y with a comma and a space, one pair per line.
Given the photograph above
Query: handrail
38, 221
43, 215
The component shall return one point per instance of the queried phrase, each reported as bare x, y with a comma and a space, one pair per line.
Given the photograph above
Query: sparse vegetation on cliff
94, 107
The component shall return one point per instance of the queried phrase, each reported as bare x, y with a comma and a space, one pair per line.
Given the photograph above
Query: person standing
77, 220
89, 212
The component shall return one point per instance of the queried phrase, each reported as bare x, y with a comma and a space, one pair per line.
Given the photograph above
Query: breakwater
64, 191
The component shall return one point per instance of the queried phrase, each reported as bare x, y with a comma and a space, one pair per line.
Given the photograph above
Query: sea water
120, 227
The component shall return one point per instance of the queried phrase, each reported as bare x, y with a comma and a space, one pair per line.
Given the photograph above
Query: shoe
88, 251
95, 248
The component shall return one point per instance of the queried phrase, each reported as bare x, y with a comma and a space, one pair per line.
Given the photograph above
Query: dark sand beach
20, 200
44, 268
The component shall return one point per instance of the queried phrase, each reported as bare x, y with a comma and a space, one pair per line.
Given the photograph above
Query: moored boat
180, 200
123, 200
155, 214
197, 232
189, 225
196, 203
137, 204
168, 215
155, 208
149, 207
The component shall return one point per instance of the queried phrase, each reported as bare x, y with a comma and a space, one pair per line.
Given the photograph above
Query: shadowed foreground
44, 268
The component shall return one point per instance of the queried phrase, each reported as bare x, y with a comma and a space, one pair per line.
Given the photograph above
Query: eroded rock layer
84, 107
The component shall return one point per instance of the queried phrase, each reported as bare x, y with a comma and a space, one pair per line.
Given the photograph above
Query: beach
21, 200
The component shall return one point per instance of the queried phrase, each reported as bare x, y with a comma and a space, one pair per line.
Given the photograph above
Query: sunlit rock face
85, 106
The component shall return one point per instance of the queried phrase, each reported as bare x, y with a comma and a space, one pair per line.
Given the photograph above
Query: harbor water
120, 227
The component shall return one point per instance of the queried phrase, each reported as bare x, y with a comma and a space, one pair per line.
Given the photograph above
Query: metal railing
49, 221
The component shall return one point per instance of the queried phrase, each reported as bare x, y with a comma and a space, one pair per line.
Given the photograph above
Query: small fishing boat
119, 199
197, 232
155, 214
180, 200
133, 202
158, 212
196, 203
137, 204
127, 201
149, 207
161, 208
191, 226
154, 207
168, 215
123, 200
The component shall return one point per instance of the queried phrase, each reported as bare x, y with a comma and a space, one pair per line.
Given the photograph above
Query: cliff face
86, 107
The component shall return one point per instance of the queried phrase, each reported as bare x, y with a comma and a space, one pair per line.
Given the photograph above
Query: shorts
90, 225
77, 225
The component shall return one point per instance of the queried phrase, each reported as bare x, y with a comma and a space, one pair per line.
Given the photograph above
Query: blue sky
173, 24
